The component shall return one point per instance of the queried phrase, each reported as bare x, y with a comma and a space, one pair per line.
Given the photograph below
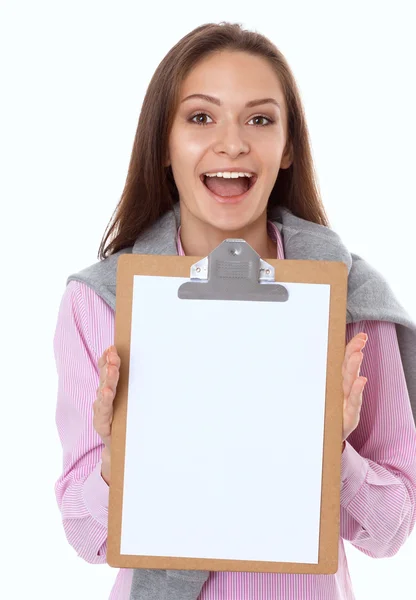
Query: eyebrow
218, 102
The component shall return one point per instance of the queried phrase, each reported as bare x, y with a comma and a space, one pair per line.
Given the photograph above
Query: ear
287, 157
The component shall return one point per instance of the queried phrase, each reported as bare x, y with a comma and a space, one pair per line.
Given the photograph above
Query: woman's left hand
353, 384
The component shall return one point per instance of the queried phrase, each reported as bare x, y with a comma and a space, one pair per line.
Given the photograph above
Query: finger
113, 357
107, 376
103, 411
112, 377
102, 362
354, 403
112, 368
106, 402
351, 372
357, 343
102, 423
352, 407
356, 396
358, 340
102, 378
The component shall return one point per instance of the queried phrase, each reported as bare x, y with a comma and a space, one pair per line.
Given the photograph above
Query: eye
201, 115
270, 121
199, 122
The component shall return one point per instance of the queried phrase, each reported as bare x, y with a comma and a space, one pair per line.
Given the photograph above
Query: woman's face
224, 131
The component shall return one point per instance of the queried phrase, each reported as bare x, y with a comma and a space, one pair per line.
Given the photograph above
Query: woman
222, 140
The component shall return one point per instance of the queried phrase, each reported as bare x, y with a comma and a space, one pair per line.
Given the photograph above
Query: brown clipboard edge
290, 271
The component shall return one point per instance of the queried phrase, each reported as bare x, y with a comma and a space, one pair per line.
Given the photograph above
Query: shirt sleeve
378, 465
85, 327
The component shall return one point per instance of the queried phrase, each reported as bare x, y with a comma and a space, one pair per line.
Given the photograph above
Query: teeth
229, 175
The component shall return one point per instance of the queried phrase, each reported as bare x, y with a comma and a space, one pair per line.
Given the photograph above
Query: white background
73, 78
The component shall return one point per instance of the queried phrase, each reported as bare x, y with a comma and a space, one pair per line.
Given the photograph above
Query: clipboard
232, 276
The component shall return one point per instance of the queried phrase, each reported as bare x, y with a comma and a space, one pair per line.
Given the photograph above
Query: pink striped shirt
378, 487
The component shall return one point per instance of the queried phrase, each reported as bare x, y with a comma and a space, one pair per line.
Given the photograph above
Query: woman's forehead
232, 76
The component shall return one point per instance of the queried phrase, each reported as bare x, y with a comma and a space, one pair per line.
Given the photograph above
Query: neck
200, 239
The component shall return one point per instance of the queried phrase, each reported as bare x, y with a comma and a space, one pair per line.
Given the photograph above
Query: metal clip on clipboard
233, 271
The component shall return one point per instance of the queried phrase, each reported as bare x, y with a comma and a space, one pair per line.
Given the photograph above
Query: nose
231, 141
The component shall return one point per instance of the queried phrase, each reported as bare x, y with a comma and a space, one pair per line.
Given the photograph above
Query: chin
228, 220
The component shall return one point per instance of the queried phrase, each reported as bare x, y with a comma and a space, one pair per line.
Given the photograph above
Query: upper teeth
229, 174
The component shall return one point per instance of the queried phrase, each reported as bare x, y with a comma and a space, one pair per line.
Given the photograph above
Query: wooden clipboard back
291, 271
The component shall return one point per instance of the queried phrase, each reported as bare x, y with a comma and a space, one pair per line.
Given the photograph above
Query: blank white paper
225, 422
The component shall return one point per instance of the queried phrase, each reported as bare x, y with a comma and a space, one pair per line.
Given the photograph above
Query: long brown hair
150, 189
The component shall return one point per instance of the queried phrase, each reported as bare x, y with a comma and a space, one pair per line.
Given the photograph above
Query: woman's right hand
109, 365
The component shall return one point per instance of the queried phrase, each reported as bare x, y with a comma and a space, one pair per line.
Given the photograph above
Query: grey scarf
369, 298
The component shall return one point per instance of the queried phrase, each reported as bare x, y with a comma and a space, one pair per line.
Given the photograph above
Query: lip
230, 199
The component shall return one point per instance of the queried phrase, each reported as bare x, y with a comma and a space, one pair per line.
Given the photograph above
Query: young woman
221, 145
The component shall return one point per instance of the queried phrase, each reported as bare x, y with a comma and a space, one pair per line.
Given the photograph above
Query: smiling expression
231, 116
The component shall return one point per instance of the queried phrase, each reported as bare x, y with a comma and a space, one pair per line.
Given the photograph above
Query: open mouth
228, 190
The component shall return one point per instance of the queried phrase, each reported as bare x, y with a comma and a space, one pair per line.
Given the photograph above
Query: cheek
271, 150
186, 155
194, 143
273, 162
